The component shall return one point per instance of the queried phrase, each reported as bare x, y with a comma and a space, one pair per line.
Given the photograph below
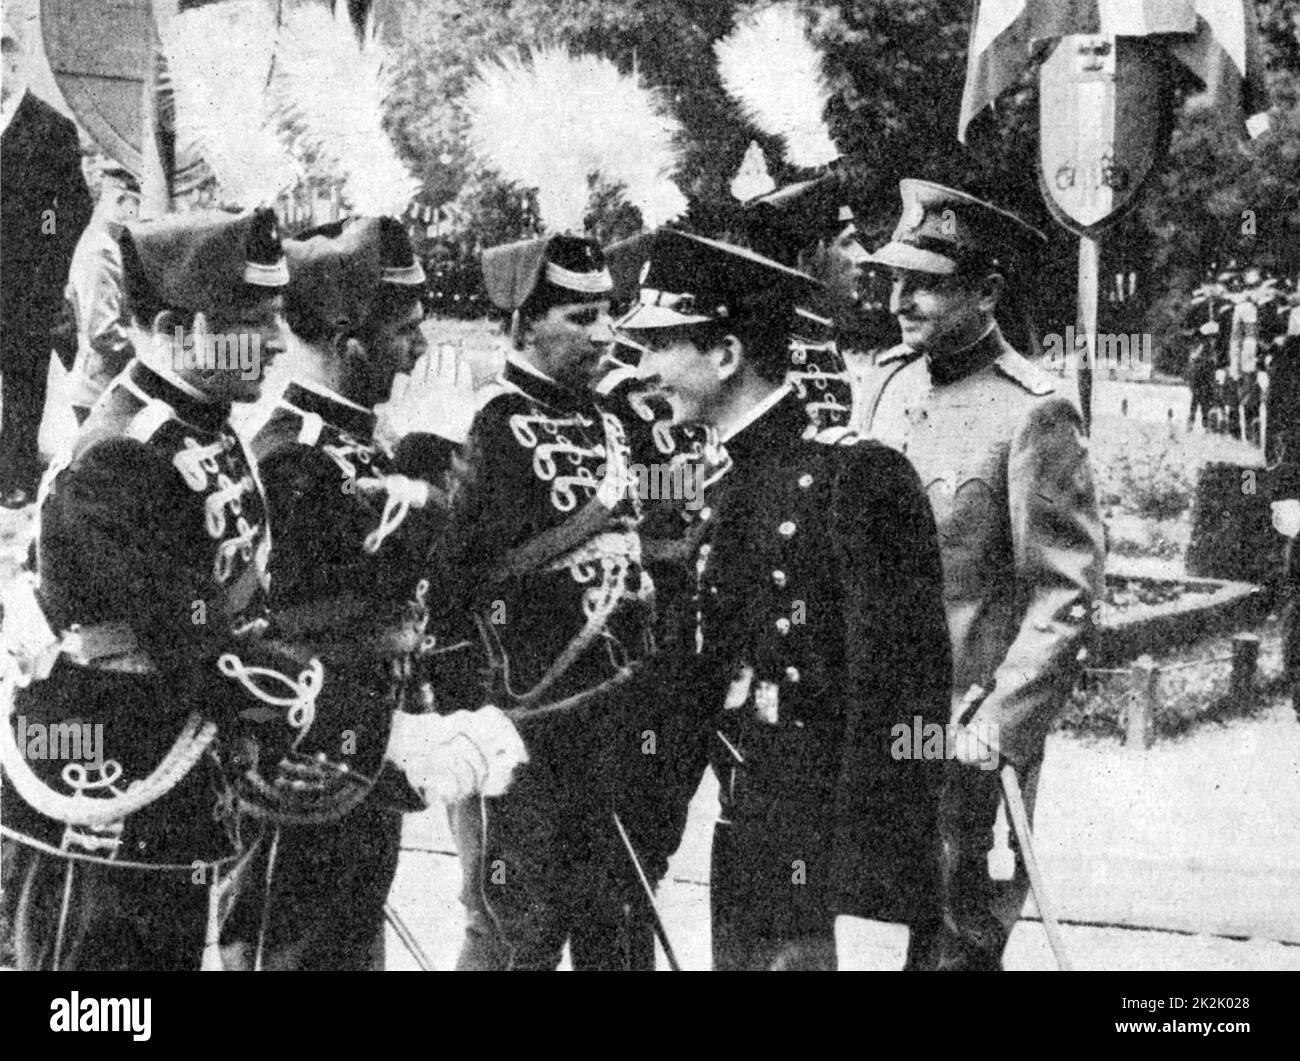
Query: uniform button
706, 513
786, 529
792, 674
805, 481
778, 578
783, 626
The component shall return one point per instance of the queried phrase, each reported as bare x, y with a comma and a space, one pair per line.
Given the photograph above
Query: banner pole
1089, 258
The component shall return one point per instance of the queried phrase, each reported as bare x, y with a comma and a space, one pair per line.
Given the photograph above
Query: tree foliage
896, 68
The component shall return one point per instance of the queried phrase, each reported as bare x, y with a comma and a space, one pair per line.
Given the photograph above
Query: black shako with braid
336, 270
533, 275
202, 261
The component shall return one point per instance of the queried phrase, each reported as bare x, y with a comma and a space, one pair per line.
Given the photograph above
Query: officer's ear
730, 357
353, 353
990, 291
168, 321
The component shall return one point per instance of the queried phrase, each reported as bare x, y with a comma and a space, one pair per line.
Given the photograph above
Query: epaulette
1016, 367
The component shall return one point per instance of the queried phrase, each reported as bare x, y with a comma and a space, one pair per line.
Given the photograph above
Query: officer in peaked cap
547, 612
353, 520
1005, 462
821, 622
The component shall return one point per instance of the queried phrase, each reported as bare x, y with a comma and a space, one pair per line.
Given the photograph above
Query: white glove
452, 757
437, 398
1286, 518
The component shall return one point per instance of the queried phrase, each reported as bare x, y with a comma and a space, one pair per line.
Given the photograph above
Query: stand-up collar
541, 387
301, 397
949, 368
776, 422
189, 404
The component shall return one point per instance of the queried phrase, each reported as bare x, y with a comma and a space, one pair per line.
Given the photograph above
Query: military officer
821, 598
541, 569
352, 523
1004, 460
140, 629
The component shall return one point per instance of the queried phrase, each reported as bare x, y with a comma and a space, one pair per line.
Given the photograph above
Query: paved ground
1186, 856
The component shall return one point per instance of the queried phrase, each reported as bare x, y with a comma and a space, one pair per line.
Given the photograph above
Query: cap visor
644, 317
905, 256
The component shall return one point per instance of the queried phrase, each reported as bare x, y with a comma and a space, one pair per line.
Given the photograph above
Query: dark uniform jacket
348, 556
344, 576
554, 575
823, 576
152, 550
671, 466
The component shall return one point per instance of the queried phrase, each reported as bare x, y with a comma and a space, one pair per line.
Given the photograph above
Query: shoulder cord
592, 629
82, 810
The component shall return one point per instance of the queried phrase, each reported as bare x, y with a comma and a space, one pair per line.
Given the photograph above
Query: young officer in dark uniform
141, 618
1005, 462
541, 568
352, 523
822, 600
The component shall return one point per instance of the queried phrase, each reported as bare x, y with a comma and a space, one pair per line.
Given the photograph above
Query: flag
1217, 40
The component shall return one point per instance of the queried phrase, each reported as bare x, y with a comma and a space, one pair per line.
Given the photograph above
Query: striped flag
1217, 40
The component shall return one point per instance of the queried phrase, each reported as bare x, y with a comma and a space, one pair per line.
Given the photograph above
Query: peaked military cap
565, 268
685, 279
202, 260
782, 223
335, 270
943, 230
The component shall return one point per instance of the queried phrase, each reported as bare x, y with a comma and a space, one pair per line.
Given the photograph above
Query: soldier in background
821, 597
1200, 375
547, 614
353, 520
95, 292
1005, 463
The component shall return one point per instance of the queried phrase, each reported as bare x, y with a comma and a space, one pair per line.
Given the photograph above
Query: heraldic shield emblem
1104, 126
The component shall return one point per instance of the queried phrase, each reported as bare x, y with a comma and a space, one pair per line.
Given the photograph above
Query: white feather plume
770, 66
554, 121
218, 63
334, 86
